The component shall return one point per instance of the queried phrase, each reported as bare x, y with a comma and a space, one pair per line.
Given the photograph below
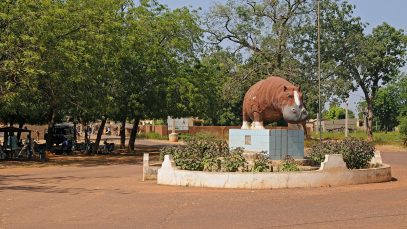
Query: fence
220, 131
337, 125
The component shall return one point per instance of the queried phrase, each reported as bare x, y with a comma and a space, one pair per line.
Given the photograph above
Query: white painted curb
333, 172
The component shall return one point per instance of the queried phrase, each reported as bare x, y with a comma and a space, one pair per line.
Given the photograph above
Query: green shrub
183, 156
211, 163
356, 153
262, 163
234, 161
289, 165
205, 152
320, 149
170, 150
201, 152
403, 129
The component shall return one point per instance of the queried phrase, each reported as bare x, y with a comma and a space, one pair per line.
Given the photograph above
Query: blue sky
374, 12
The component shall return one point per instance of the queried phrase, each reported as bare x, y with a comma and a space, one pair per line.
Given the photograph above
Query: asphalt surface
115, 197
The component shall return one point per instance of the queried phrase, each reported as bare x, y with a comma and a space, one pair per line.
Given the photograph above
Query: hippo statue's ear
299, 88
285, 88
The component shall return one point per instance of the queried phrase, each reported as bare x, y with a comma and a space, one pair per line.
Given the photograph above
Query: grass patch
381, 138
202, 134
151, 135
184, 136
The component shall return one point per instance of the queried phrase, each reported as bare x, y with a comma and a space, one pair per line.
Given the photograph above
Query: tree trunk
369, 124
75, 133
99, 135
51, 123
86, 131
5, 139
20, 125
133, 134
123, 133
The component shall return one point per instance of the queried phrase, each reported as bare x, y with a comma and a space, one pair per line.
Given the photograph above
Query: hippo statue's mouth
294, 114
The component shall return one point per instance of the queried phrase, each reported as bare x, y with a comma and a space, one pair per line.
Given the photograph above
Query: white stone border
149, 172
333, 172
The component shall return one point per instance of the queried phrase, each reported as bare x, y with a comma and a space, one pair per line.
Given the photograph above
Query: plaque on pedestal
276, 142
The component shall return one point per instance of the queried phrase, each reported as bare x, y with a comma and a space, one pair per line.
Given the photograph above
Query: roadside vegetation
380, 138
152, 135
83, 61
208, 153
356, 153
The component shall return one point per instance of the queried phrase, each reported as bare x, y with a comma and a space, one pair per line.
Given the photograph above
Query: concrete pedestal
276, 142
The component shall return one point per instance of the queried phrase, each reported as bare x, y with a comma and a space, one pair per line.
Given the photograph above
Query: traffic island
333, 172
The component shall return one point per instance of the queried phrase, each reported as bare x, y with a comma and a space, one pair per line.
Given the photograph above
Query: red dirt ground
113, 196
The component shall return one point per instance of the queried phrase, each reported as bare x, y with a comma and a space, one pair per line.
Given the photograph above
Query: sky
374, 12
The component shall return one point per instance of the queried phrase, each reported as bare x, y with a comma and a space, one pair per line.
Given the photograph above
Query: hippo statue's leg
246, 121
304, 127
257, 121
245, 125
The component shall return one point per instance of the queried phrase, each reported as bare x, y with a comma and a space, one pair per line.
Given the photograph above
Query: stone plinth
276, 142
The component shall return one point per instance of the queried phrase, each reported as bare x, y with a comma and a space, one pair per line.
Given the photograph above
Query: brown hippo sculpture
270, 100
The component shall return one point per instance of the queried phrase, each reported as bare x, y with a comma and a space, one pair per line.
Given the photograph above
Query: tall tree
386, 107
158, 45
279, 37
260, 32
336, 112
372, 61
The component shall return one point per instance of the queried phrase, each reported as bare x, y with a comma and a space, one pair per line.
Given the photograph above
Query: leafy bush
289, 164
234, 161
205, 152
262, 163
183, 156
201, 152
211, 163
320, 149
356, 153
403, 128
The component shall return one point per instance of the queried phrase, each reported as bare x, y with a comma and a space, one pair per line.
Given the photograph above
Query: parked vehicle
106, 148
62, 132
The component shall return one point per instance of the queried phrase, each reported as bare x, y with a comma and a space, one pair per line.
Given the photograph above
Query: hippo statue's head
292, 107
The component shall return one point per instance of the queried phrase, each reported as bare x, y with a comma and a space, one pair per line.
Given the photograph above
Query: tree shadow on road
54, 184
119, 157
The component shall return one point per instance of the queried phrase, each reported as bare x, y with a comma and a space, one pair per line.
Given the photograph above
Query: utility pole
346, 118
319, 75
173, 125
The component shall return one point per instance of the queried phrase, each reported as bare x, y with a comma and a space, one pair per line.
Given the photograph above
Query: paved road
115, 197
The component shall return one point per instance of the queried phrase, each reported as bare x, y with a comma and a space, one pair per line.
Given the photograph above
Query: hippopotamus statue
270, 100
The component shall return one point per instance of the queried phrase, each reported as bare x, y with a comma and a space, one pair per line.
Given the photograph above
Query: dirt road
115, 197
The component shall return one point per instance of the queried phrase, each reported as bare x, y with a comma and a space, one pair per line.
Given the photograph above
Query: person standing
28, 143
12, 144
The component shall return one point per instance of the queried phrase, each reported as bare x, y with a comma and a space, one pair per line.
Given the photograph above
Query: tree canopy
336, 112
125, 60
